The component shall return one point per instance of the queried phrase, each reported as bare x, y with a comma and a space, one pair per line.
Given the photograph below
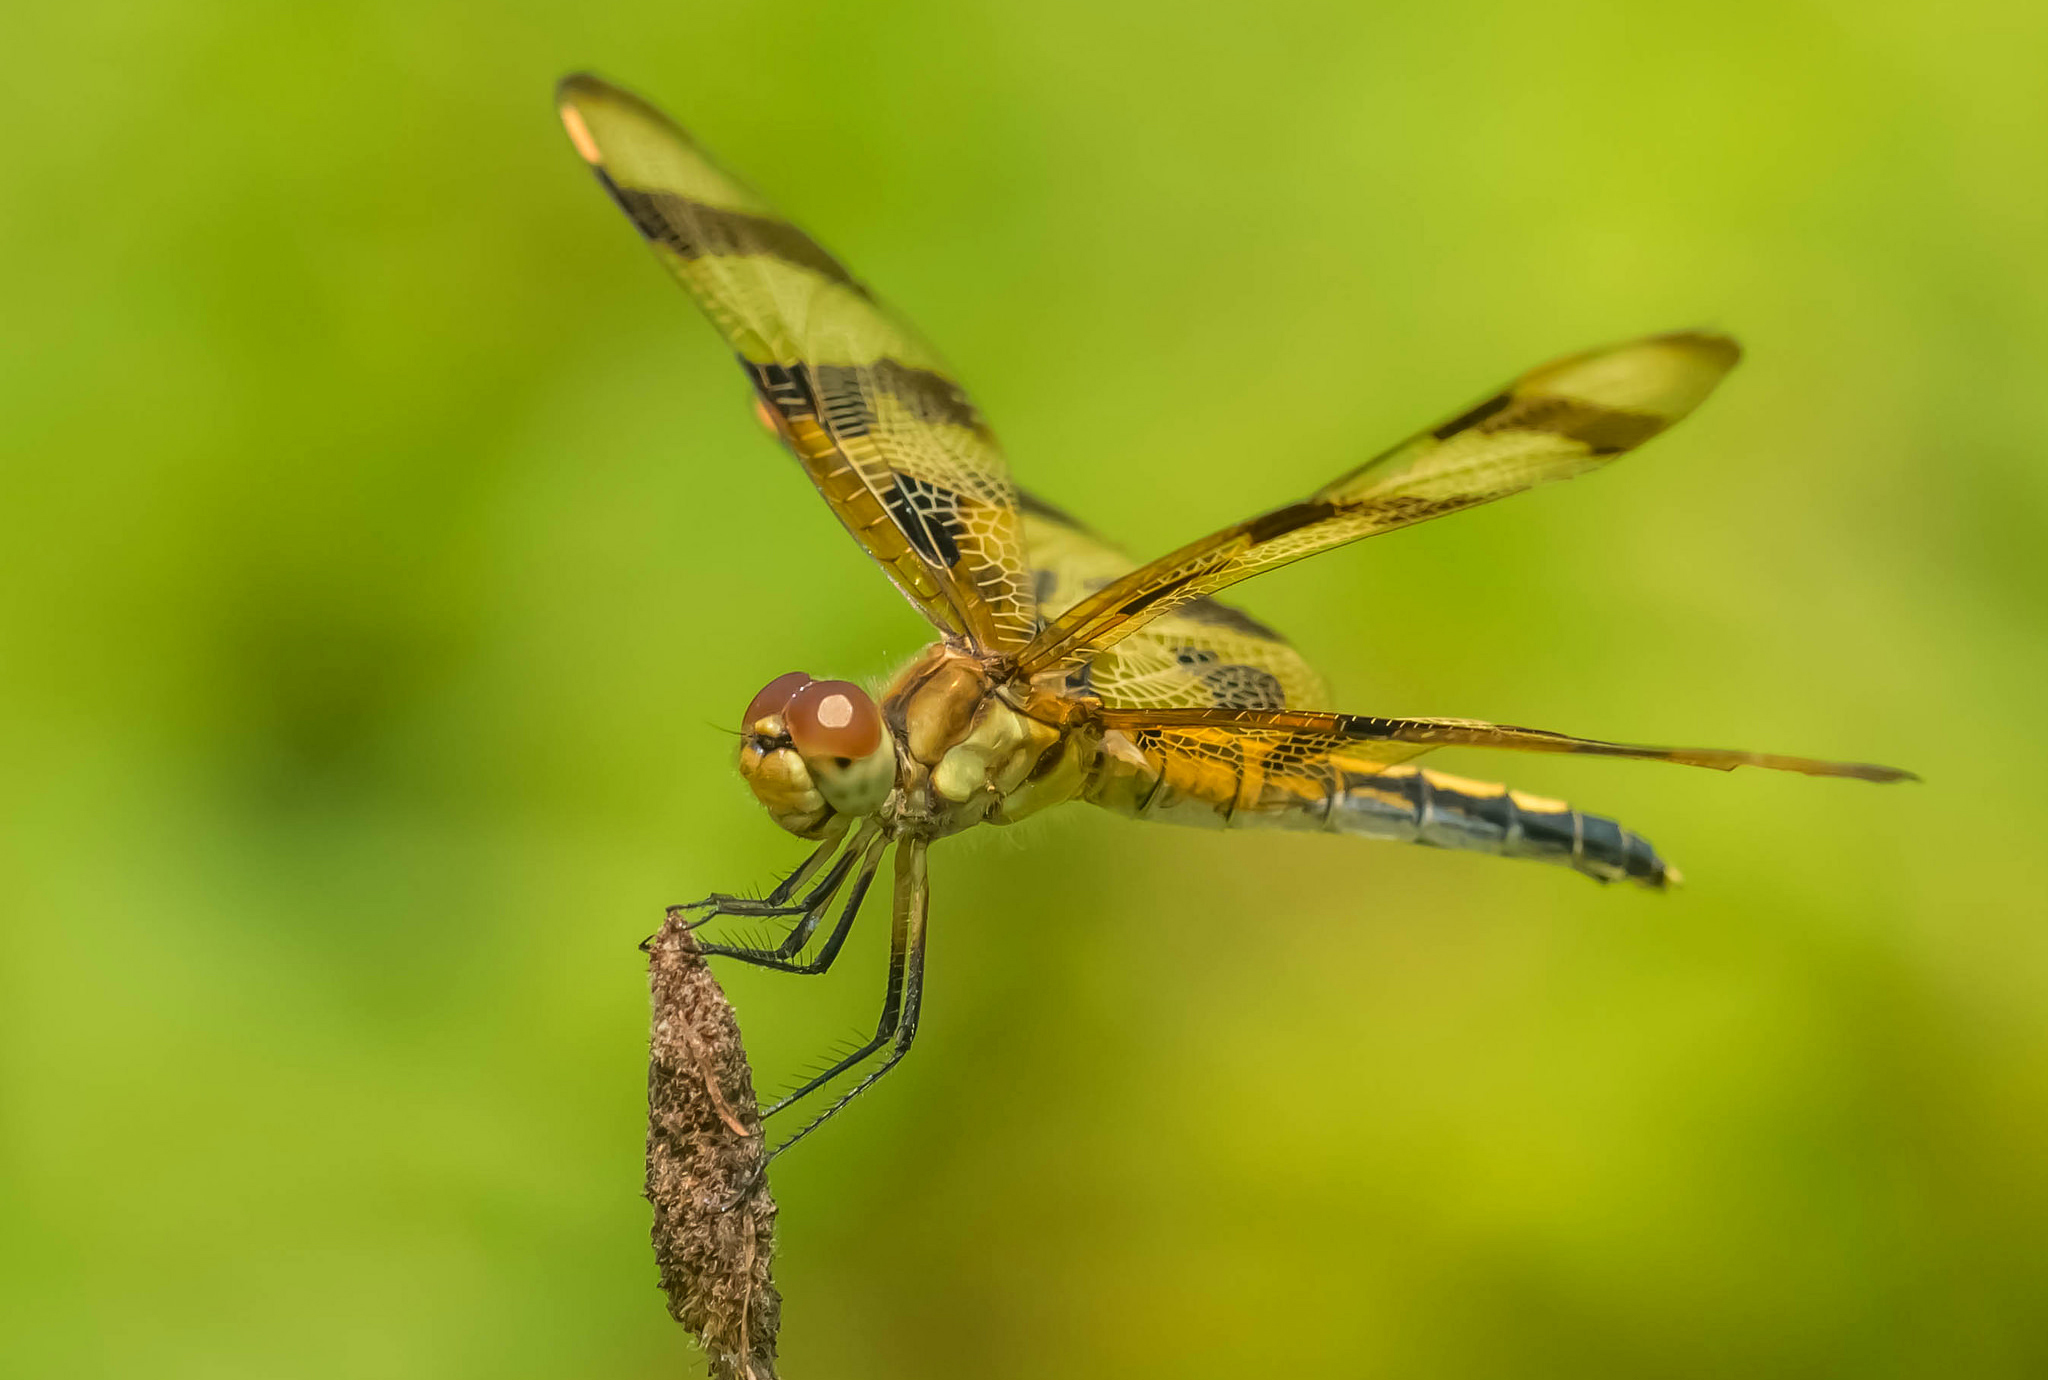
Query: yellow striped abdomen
1405, 804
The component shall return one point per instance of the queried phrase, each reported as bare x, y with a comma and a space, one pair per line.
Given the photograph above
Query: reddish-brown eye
774, 697
833, 718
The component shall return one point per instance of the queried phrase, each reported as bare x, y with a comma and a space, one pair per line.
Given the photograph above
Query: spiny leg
782, 958
787, 887
900, 1005
809, 910
777, 902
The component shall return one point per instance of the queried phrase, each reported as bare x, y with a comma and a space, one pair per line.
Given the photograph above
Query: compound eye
833, 718
774, 698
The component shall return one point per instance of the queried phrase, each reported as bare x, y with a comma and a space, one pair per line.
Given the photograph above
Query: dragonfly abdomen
1411, 804
1400, 803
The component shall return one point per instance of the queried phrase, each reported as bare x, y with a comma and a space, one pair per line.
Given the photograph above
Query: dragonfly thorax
968, 754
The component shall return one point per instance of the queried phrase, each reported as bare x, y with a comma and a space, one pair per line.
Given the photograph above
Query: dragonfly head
810, 749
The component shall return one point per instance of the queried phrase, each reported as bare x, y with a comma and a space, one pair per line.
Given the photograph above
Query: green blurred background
389, 544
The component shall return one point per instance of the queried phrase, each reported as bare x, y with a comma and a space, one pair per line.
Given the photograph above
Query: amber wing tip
584, 98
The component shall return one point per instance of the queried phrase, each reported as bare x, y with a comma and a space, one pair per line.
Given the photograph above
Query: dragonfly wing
1346, 774
892, 442
1202, 655
1303, 737
1554, 422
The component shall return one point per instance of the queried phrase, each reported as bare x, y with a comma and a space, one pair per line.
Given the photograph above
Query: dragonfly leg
804, 870
900, 1004
779, 902
783, 957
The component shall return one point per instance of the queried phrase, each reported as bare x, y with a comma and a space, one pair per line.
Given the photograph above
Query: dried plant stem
704, 1150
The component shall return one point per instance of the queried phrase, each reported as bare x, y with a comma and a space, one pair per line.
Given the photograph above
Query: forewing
1553, 423
892, 442
1202, 655
1300, 741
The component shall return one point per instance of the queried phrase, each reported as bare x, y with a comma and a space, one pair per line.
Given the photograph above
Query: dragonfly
1062, 669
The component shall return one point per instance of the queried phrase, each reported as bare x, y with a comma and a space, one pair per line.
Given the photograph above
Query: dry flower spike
704, 1150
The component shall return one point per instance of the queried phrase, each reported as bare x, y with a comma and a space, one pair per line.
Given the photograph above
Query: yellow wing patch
1202, 655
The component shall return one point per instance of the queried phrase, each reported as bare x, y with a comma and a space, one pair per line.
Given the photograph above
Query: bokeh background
388, 547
